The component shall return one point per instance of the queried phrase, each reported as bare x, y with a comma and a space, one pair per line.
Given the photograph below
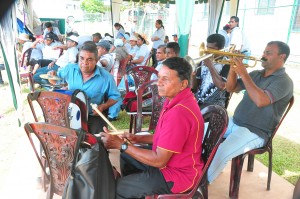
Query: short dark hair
97, 34
48, 24
183, 68
91, 47
174, 46
236, 19
163, 47
283, 48
218, 39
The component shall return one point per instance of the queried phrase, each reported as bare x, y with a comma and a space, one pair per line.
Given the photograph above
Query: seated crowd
167, 164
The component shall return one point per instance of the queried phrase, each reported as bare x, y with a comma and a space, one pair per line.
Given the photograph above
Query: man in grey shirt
267, 95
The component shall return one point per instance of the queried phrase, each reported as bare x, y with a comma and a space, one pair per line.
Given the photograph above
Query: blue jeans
238, 141
43, 70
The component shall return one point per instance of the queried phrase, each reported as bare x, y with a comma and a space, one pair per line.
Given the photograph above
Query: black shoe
112, 119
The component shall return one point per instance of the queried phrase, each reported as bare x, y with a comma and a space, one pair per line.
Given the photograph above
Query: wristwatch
124, 147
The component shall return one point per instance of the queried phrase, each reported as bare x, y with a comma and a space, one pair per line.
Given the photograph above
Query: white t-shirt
142, 51
69, 56
236, 38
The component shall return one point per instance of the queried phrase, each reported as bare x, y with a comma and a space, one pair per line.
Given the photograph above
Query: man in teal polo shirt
95, 81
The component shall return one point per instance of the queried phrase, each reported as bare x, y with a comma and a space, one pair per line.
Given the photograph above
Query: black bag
91, 175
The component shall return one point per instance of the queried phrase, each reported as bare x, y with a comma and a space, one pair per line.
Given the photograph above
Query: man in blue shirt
95, 81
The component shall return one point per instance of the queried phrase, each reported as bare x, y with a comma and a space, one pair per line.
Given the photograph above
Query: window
266, 7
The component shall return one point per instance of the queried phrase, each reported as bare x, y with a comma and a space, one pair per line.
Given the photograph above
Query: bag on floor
92, 174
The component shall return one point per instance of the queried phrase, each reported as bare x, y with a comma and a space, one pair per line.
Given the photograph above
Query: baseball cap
174, 35
72, 38
118, 43
104, 44
48, 36
132, 38
122, 35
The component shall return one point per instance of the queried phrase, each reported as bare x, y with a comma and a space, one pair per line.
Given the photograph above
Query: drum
74, 112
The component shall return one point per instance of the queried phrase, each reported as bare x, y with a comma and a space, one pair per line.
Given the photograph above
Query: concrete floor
22, 180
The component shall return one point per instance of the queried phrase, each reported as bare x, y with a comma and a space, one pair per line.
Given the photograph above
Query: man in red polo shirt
173, 165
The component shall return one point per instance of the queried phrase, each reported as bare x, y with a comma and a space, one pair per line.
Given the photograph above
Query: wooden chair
59, 110
27, 75
157, 104
140, 75
217, 119
58, 144
237, 162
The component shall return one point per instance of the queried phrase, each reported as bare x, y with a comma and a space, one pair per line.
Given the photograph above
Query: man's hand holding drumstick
107, 136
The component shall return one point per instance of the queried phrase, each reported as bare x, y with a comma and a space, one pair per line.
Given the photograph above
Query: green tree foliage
93, 6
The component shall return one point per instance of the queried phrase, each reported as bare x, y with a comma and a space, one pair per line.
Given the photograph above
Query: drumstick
115, 132
94, 106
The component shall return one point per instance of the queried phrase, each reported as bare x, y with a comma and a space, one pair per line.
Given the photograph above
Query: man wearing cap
47, 47
69, 56
133, 45
95, 81
175, 38
49, 28
124, 37
105, 58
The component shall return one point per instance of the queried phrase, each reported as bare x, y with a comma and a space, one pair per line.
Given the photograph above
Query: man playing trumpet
267, 95
209, 80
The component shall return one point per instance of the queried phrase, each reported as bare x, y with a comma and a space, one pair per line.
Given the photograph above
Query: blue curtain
185, 10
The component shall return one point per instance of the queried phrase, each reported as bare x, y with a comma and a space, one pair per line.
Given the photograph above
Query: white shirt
160, 33
236, 38
48, 51
143, 51
224, 33
69, 56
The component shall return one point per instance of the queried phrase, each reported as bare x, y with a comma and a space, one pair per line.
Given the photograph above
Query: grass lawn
286, 159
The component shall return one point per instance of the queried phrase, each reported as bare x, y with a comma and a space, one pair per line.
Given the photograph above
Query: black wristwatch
124, 147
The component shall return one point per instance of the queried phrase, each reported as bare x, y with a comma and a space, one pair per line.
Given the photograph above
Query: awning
165, 1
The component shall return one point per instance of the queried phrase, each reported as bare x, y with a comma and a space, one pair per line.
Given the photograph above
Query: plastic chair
58, 144
157, 104
217, 119
140, 75
237, 162
122, 69
25, 59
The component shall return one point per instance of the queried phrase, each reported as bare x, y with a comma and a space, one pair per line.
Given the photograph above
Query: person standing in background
157, 39
175, 38
225, 32
119, 29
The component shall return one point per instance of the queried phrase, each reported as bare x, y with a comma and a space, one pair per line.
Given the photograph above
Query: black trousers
95, 124
140, 180
154, 61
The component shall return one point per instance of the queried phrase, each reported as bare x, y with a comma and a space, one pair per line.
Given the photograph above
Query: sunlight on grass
124, 120
286, 159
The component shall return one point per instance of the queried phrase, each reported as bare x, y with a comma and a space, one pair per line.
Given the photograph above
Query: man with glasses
95, 81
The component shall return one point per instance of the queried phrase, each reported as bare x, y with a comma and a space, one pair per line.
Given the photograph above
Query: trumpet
210, 53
